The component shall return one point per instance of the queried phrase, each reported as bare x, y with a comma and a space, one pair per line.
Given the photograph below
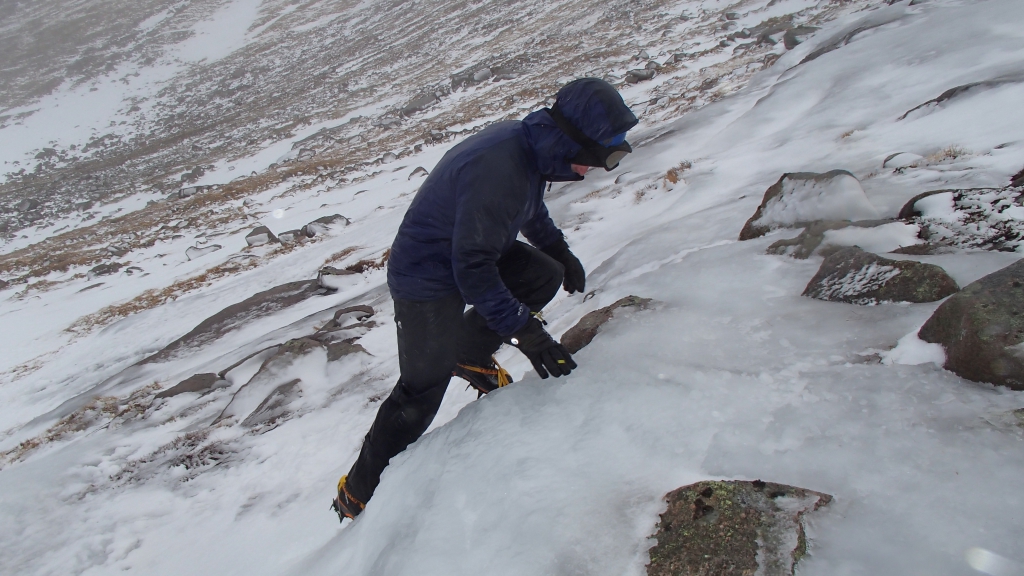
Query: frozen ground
732, 375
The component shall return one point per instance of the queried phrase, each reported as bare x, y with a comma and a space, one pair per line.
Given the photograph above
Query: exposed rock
639, 75
117, 251
132, 270
27, 204
652, 65
325, 224
4, 284
337, 350
103, 270
240, 314
1017, 179
958, 91
201, 383
275, 405
388, 158
811, 238
733, 528
982, 329
910, 210
857, 277
418, 171
801, 197
84, 205
482, 75
333, 278
194, 252
583, 333
305, 154
844, 36
899, 160
260, 235
291, 236
924, 249
419, 104
356, 313
732, 15
91, 286
795, 36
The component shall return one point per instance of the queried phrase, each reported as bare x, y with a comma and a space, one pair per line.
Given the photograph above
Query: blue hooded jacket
484, 192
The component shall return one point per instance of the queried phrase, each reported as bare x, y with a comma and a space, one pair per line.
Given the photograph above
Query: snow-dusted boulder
733, 528
194, 252
333, 278
639, 75
116, 250
27, 204
982, 329
974, 218
802, 197
325, 224
103, 270
291, 236
857, 277
4, 284
197, 383
584, 331
420, 103
1018, 179
275, 405
795, 36
260, 235
418, 171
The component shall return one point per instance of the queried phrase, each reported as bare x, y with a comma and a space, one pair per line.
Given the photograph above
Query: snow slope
733, 375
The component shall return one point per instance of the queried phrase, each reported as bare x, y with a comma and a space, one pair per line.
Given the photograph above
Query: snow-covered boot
345, 504
486, 378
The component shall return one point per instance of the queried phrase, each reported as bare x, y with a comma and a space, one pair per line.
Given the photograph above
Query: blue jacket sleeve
541, 230
489, 198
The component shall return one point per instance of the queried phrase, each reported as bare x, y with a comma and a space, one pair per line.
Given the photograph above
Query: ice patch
806, 200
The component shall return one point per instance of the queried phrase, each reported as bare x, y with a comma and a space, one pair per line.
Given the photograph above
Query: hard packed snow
732, 375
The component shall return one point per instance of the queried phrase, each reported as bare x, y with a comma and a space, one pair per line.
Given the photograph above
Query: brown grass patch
675, 174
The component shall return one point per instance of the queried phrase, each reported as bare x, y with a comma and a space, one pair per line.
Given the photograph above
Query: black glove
545, 354
575, 279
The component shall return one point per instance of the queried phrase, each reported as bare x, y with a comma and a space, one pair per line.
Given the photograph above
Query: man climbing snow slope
457, 245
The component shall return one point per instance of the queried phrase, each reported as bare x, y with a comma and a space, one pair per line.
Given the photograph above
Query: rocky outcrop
854, 276
420, 103
586, 329
733, 528
256, 306
639, 75
27, 205
801, 197
971, 218
264, 396
260, 235
199, 383
982, 329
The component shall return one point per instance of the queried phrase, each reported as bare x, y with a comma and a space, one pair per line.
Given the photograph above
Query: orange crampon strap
504, 379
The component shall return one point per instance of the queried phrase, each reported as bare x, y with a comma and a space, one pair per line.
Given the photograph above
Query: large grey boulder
801, 197
733, 528
420, 103
982, 329
584, 331
325, 224
27, 205
103, 270
854, 276
260, 235
812, 236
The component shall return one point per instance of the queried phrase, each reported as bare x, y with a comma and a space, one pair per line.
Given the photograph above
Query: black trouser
432, 336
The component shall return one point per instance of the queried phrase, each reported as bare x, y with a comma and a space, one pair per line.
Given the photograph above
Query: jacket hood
592, 105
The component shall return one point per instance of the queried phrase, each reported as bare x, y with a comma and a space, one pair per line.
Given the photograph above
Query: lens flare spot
988, 562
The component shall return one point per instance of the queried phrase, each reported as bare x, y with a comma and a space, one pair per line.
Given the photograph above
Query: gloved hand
545, 354
575, 279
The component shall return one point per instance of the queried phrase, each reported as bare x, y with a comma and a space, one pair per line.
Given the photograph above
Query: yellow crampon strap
504, 379
342, 488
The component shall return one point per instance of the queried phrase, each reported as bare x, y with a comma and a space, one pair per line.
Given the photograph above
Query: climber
457, 245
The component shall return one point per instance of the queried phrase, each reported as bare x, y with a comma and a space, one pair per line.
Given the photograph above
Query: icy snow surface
734, 375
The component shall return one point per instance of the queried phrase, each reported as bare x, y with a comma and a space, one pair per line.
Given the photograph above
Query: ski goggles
593, 154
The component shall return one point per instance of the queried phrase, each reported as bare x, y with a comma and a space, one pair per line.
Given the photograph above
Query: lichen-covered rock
586, 329
802, 197
733, 528
201, 383
982, 329
857, 277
